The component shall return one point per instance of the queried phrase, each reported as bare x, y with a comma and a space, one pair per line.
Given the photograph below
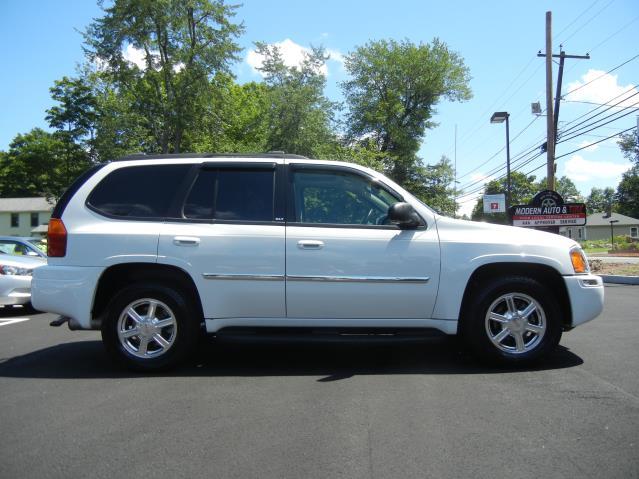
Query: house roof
600, 219
18, 205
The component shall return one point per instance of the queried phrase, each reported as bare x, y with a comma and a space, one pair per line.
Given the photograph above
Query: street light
499, 117
612, 236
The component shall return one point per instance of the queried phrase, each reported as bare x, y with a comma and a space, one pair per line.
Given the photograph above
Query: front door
343, 258
230, 238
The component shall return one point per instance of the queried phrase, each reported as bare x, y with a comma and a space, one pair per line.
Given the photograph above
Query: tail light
57, 238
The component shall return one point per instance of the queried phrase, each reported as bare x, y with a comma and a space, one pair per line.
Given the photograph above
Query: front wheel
149, 327
512, 320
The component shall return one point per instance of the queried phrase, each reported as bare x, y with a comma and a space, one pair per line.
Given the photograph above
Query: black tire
170, 303
482, 335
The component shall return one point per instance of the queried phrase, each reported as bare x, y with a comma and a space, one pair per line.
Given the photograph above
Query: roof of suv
168, 156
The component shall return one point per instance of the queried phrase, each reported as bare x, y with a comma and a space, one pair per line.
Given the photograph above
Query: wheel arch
117, 276
546, 275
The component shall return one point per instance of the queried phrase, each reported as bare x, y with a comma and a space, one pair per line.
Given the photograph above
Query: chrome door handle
310, 244
186, 241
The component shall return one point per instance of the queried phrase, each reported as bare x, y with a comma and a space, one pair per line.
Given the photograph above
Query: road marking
4, 322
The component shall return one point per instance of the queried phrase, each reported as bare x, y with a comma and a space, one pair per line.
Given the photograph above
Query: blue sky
40, 42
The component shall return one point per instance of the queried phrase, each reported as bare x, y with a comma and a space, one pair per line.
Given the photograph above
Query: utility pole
455, 174
552, 114
550, 124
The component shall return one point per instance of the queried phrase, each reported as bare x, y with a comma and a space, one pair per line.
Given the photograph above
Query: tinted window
226, 194
334, 197
138, 191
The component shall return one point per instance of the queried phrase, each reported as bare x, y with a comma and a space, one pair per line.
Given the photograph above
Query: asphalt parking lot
322, 410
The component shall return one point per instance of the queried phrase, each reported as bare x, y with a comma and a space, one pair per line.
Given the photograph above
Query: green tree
523, 188
628, 193
35, 163
600, 200
184, 44
236, 118
300, 117
565, 187
393, 92
74, 119
628, 189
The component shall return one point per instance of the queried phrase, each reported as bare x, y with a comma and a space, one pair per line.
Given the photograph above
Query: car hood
22, 261
478, 232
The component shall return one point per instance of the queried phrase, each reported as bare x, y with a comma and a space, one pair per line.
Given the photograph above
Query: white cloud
579, 169
603, 88
135, 55
293, 56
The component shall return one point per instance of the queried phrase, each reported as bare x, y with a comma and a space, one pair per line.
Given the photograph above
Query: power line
603, 124
576, 19
594, 143
598, 107
500, 150
601, 76
622, 108
587, 22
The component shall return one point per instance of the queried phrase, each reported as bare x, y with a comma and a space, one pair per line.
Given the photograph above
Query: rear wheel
512, 320
150, 326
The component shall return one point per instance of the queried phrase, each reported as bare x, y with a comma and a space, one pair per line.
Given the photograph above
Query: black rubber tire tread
473, 329
186, 315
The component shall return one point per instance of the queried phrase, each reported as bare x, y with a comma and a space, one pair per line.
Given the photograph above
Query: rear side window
138, 191
232, 194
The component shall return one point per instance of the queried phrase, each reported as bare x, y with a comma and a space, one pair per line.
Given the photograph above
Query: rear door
228, 233
343, 258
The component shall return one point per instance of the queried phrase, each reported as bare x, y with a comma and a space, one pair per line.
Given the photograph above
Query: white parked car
152, 249
15, 278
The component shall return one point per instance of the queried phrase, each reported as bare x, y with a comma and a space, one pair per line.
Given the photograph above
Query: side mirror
404, 216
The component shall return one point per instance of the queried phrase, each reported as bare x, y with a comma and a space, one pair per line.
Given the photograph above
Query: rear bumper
586, 293
66, 290
15, 290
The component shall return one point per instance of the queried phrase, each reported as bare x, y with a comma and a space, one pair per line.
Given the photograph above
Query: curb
611, 278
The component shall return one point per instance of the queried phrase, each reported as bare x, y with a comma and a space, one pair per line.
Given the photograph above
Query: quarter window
138, 191
341, 198
232, 194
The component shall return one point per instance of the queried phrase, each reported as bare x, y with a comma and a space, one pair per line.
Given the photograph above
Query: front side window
232, 194
138, 191
340, 198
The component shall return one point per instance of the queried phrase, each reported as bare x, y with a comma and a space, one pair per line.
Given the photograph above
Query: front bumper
66, 290
586, 293
15, 289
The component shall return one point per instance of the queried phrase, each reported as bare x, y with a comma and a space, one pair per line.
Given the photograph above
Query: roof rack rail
270, 154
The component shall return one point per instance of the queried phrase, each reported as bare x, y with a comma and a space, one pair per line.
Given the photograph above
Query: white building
598, 227
20, 216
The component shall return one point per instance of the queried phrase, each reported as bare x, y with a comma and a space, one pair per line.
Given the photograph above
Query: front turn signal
579, 261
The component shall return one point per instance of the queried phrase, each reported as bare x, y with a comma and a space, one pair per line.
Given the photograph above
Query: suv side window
138, 191
340, 198
232, 194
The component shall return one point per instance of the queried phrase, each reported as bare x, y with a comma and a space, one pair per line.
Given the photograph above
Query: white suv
153, 249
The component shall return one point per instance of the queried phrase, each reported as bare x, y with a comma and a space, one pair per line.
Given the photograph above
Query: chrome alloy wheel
515, 323
147, 328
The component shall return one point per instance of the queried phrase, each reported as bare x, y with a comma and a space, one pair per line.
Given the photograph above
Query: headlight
14, 270
579, 261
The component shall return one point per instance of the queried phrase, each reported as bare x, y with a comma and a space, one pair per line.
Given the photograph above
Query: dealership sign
495, 203
547, 208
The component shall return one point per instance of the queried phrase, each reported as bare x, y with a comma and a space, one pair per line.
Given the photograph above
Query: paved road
320, 411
